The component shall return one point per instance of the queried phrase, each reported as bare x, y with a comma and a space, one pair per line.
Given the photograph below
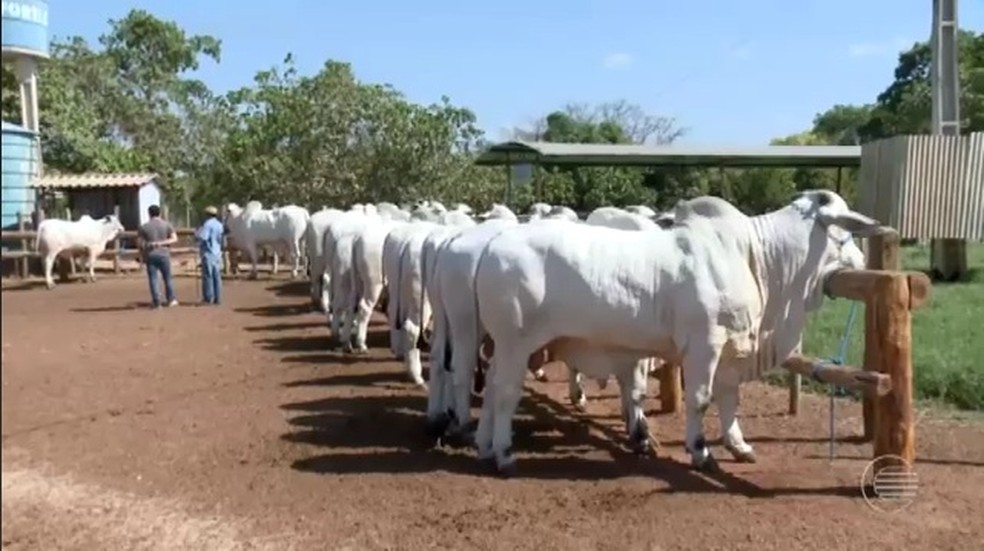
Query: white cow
424, 211
457, 331
282, 227
714, 287
641, 210
415, 267
393, 246
55, 236
314, 240
498, 212
613, 363
538, 210
368, 275
458, 305
563, 213
339, 242
614, 217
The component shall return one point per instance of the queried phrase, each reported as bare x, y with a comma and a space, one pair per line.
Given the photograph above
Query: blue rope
839, 359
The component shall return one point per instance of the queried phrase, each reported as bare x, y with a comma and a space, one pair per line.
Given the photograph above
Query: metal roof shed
99, 194
577, 154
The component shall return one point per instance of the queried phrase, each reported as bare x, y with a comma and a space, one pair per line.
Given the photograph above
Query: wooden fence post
891, 337
883, 254
25, 270
795, 382
890, 297
116, 243
670, 388
71, 257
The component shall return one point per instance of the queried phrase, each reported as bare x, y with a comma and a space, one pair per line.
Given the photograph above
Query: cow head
462, 208
834, 229
112, 226
538, 210
665, 219
233, 210
498, 212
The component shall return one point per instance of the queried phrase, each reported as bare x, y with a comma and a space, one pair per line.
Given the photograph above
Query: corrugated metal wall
925, 186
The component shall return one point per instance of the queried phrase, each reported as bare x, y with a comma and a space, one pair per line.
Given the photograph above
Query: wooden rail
114, 251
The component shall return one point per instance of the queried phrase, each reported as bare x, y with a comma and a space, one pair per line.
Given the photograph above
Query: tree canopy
129, 104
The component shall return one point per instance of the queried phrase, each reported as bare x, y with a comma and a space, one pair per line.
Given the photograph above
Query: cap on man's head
211, 210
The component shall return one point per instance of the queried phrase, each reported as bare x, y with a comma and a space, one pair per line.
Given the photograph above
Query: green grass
947, 335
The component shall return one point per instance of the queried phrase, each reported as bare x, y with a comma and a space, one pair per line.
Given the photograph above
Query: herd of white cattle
704, 286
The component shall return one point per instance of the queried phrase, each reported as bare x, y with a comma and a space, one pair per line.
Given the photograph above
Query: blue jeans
159, 263
211, 280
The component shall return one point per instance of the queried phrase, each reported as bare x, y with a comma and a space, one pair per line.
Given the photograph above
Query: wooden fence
889, 296
115, 251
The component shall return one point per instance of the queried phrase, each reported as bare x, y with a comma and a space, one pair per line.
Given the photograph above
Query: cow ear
854, 222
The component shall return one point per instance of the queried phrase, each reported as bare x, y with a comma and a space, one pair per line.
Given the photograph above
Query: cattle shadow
118, 308
297, 343
328, 357
371, 378
286, 326
292, 288
276, 310
851, 440
387, 436
322, 342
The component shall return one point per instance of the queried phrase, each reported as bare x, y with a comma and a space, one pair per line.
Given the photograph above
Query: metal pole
840, 173
948, 257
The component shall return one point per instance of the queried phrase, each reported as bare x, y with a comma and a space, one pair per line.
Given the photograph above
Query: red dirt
235, 428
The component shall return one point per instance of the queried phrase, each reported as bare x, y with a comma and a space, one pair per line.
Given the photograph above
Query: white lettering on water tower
26, 12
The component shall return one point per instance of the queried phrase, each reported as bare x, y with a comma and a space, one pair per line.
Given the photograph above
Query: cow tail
398, 323
37, 237
423, 287
356, 290
479, 329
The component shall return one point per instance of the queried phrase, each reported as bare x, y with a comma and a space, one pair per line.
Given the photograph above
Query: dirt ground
236, 427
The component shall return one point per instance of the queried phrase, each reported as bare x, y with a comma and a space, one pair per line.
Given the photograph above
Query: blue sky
732, 72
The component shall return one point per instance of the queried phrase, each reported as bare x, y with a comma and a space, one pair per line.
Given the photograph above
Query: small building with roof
101, 194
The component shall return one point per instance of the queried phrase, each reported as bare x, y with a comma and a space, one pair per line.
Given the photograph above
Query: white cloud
878, 49
617, 60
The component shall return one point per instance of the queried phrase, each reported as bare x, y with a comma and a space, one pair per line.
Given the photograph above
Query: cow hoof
708, 466
460, 438
642, 447
580, 405
50, 286
506, 468
436, 429
742, 456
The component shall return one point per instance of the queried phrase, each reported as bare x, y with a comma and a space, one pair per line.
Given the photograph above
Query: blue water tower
25, 44
21, 164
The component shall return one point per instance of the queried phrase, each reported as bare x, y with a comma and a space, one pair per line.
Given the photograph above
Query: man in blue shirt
209, 236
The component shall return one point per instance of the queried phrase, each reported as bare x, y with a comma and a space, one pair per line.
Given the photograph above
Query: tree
330, 139
905, 106
842, 124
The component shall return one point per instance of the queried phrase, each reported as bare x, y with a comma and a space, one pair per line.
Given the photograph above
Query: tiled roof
93, 180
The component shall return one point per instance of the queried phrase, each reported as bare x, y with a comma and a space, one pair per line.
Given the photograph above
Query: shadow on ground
385, 434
